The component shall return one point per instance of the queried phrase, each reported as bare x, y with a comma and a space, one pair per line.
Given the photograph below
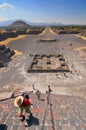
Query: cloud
5, 6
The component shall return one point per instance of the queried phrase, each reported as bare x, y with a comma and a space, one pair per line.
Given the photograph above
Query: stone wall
68, 32
35, 31
11, 34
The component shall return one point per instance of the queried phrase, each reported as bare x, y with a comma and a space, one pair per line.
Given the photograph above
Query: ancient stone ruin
5, 55
48, 40
48, 63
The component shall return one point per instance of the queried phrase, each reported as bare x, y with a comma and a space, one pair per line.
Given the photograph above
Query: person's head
25, 95
48, 86
18, 101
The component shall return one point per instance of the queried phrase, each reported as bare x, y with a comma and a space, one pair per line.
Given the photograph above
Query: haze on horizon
56, 11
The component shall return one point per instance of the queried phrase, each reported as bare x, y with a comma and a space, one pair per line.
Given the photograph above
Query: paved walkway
55, 113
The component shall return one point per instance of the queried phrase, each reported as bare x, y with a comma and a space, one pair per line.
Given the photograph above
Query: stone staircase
5, 55
56, 112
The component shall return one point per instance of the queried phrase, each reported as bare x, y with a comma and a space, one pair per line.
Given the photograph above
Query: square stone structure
48, 63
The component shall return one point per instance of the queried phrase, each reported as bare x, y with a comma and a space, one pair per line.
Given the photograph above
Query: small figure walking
23, 103
38, 94
49, 89
48, 94
65, 75
33, 87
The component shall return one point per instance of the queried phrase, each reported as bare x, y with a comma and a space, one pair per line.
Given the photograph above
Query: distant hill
7, 23
18, 24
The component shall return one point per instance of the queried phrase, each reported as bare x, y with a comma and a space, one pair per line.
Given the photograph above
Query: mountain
43, 24
18, 24
6, 23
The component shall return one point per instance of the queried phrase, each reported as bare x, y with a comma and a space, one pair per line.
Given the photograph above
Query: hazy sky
58, 11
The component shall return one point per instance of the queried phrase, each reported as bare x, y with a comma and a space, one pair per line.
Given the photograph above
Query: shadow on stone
32, 121
42, 99
3, 127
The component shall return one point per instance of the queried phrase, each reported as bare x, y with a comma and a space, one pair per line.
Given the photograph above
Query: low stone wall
68, 32
4, 36
65, 31
35, 31
11, 34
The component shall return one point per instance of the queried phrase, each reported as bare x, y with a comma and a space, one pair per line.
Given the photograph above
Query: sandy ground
80, 48
7, 41
84, 38
17, 53
52, 32
42, 33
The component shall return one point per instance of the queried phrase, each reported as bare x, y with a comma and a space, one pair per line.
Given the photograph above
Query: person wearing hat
23, 103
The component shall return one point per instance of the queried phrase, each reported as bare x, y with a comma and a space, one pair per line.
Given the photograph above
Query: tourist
48, 95
49, 89
23, 103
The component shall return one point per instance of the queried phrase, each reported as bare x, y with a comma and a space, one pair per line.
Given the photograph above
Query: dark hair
25, 95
